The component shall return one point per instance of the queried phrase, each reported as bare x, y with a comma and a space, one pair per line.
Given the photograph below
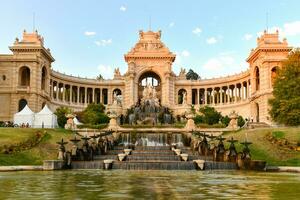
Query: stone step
154, 165
152, 157
143, 148
141, 153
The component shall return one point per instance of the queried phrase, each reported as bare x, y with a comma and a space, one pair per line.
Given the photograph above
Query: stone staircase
152, 158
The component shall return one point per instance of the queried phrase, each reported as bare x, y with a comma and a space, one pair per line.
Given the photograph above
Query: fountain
148, 110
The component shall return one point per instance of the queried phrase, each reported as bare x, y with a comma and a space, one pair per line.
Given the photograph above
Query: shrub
61, 115
241, 121
225, 120
199, 119
94, 114
211, 116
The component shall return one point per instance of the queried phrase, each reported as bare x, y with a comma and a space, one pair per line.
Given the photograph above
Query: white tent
76, 121
24, 116
45, 118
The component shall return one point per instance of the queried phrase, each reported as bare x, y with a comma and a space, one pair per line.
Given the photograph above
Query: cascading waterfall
151, 139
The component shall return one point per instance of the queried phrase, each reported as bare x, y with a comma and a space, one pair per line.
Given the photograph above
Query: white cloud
247, 36
185, 53
292, 28
211, 40
103, 42
106, 71
288, 29
89, 33
123, 8
197, 31
172, 24
225, 63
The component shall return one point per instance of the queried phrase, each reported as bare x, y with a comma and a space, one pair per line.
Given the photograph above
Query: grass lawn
46, 149
264, 149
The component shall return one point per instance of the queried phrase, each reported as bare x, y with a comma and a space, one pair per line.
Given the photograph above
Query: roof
25, 111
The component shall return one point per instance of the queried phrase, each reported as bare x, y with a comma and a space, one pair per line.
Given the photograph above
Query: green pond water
117, 184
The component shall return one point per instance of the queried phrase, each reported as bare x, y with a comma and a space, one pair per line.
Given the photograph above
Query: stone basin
121, 156
177, 151
127, 151
200, 164
184, 156
108, 163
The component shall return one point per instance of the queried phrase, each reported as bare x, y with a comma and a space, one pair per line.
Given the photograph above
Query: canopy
76, 121
24, 116
45, 119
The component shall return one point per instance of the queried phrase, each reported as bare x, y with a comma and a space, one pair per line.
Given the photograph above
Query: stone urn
177, 151
190, 124
200, 164
233, 124
113, 125
70, 122
121, 156
127, 151
108, 164
184, 156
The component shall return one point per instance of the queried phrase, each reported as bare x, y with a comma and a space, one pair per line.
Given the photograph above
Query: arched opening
43, 78
181, 96
149, 79
24, 76
22, 104
257, 112
257, 81
273, 74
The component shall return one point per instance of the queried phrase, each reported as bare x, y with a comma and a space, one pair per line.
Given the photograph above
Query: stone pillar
205, 96
235, 93
57, 89
71, 94
85, 96
64, 92
213, 95
93, 101
246, 92
78, 92
100, 92
221, 95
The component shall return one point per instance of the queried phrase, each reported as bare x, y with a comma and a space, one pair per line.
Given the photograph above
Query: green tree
285, 106
94, 114
191, 75
61, 115
211, 116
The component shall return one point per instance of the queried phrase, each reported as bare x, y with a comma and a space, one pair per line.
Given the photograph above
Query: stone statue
117, 99
183, 98
182, 72
117, 73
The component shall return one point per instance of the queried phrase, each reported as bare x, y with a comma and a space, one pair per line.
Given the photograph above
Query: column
57, 88
71, 94
247, 90
85, 95
235, 93
221, 95
78, 92
64, 92
93, 100
205, 96
213, 95
100, 92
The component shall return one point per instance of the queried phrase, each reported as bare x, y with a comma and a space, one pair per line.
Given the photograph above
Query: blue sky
88, 37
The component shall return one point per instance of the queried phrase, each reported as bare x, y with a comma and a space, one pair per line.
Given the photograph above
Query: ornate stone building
26, 77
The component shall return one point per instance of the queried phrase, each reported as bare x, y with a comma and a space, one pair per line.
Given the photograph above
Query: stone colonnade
214, 95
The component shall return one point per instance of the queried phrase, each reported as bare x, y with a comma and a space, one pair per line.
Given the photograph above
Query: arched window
273, 75
152, 79
117, 91
257, 81
43, 78
181, 95
22, 104
24, 76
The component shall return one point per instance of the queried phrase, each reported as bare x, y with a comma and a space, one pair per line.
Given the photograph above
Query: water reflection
117, 184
